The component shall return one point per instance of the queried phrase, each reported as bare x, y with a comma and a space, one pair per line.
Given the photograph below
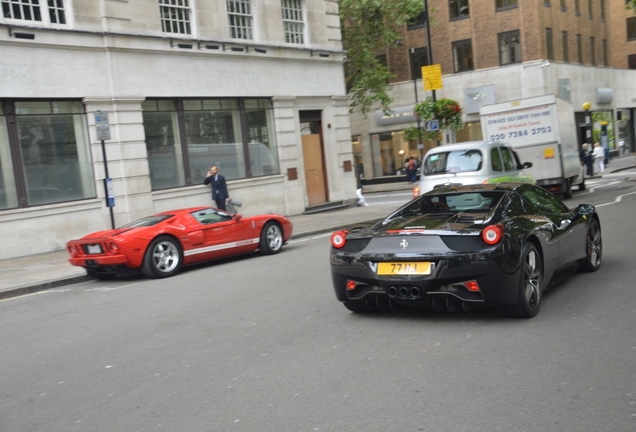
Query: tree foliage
368, 28
631, 5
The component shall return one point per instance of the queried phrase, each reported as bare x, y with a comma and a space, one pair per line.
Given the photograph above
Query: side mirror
526, 165
237, 216
582, 210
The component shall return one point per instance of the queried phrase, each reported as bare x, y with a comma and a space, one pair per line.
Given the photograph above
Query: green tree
631, 5
368, 28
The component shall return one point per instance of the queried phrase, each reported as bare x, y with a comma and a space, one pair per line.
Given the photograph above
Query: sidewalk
24, 275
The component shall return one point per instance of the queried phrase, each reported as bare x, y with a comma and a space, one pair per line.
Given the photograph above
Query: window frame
245, 29
631, 28
564, 42
176, 16
455, 9
506, 4
461, 45
509, 47
549, 43
45, 11
293, 21
416, 66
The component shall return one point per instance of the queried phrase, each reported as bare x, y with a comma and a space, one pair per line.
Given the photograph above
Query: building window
579, 49
458, 8
175, 16
577, 7
602, 10
504, 4
563, 7
419, 58
592, 55
185, 137
631, 64
546, 3
293, 22
30, 10
45, 153
463, 55
548, 43
631, 28
604, 52
240, 16
417, 22
589, 9
509, 48
566, 53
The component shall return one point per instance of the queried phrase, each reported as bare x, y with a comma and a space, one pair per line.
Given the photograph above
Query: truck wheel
567, 188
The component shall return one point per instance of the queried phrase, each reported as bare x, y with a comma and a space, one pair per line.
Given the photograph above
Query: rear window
147, 221
455, 161
479, 202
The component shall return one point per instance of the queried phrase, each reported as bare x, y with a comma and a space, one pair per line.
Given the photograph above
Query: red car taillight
112, 248
339, 238
72, 250
493, 234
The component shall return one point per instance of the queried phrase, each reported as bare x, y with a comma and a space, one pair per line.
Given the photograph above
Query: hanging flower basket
446, 111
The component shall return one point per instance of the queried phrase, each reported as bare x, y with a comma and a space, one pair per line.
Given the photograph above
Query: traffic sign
432, 77
101, 125
432, 125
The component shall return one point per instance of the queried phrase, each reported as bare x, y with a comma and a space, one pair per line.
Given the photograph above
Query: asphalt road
259, 343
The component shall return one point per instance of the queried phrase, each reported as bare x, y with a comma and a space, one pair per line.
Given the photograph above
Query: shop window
185, 137
51, 143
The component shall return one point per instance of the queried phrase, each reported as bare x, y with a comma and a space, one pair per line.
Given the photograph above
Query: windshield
455, 161
147, 221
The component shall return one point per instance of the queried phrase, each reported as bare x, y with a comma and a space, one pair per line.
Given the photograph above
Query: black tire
163, 258
567, 188
530, 288
594, 246
271, 239
361, 306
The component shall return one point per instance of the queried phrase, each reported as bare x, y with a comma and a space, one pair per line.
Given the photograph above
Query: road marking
106, 289
36, 293
616, 200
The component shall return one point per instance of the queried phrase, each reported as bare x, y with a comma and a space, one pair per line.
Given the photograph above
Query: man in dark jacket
219, 188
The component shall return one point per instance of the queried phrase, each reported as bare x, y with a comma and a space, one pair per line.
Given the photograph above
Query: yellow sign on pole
432, 77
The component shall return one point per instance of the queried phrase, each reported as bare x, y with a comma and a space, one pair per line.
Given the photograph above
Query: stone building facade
153, 92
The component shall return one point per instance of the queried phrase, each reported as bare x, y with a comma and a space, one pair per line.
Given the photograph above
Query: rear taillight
112, 248
339, 238
493, 234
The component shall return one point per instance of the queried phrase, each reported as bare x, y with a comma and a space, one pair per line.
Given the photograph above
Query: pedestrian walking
220, 194
586, 160
599, 157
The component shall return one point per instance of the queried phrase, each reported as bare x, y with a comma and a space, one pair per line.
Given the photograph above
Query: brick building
499, 50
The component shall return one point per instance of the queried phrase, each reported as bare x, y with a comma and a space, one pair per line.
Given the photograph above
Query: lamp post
588, 123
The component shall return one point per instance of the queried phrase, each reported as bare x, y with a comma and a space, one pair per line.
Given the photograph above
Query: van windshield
455, 161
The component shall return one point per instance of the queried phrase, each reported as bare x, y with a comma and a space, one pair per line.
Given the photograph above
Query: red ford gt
159, 245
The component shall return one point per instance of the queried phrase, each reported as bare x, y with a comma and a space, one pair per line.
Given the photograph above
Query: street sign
101, 125
432, 125
432, 77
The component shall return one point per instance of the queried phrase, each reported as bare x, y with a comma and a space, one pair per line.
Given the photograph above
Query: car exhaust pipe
415, 292
452, 304
392, 291
404, 292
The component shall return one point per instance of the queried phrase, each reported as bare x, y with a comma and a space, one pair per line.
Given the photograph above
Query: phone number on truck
521, 133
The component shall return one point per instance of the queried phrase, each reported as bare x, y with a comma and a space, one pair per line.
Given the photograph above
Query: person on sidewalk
599, 156
586, 160
220, 194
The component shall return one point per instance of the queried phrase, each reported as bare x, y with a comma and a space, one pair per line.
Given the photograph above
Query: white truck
542, 130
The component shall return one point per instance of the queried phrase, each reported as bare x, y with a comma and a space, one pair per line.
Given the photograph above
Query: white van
471, 162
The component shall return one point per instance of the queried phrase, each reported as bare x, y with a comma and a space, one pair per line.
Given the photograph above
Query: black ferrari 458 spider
457, 247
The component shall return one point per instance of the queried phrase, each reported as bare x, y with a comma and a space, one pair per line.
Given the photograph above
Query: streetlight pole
429, 50
588, 123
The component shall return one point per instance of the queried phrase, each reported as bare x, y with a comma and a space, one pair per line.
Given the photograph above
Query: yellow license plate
404, 268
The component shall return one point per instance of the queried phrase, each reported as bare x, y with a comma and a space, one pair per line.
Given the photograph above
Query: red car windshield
147, 221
